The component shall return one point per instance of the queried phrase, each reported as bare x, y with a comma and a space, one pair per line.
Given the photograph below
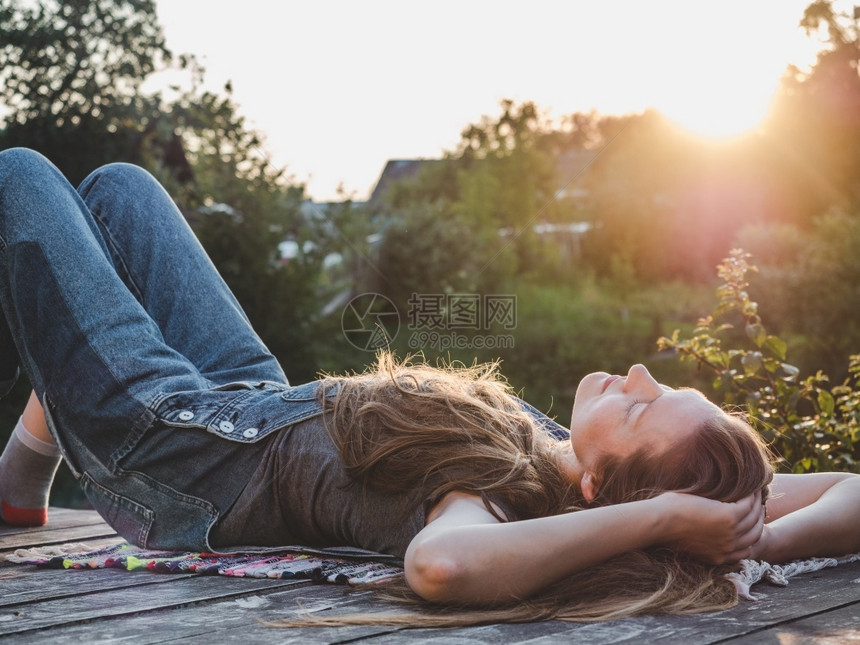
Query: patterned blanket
319, 568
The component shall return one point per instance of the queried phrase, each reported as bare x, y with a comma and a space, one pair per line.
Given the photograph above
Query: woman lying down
185, 434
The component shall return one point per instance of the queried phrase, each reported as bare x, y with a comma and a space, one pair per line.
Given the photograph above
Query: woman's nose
640, 380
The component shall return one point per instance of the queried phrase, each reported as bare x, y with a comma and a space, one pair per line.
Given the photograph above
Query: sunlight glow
338, 88
731, 113
713, 73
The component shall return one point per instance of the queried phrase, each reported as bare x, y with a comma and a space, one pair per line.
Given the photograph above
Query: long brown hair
407, 425
444, 429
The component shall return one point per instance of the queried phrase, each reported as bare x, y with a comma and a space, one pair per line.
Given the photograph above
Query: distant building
396, 170
572, 167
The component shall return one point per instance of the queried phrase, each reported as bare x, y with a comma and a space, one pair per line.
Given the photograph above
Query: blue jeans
154, 385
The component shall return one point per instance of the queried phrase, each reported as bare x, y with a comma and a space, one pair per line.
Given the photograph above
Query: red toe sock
23, 516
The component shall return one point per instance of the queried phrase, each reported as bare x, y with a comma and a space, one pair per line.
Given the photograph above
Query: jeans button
186, 415
250, 433
226, 427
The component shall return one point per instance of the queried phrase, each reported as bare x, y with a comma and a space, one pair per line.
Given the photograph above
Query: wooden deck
105, 605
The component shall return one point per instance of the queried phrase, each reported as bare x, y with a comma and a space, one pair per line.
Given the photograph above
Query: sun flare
716, 94
716, 83
719, 118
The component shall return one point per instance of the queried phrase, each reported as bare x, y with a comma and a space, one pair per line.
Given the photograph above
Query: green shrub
810, 426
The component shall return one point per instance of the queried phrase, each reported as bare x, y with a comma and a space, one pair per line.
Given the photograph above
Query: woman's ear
589, 486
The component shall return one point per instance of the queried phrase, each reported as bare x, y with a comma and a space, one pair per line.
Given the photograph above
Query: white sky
338, 88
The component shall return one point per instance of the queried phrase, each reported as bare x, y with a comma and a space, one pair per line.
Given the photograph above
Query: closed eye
630, 409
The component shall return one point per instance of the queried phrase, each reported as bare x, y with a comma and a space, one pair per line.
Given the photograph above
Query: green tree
632, 196
430, 248
466, 222
815, 124
70, 75
508, 153
509, 181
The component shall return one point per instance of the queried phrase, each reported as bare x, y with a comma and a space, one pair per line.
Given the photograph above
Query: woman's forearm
455, 559
829, 526
492, 562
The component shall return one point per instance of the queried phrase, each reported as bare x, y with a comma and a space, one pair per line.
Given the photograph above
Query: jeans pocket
131, 520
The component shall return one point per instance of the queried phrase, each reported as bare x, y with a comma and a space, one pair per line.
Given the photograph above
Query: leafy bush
810, 426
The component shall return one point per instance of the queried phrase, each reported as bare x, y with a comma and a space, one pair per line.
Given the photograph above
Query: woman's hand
711, 531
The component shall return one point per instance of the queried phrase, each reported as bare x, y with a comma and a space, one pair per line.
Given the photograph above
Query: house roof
396, 170
571, 165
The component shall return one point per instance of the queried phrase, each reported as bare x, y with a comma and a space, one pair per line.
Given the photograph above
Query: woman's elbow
434, 573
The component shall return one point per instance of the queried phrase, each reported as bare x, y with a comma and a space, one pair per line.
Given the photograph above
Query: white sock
27, 468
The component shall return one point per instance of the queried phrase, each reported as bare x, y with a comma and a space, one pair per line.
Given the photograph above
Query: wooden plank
64, 525
837, 627
50, 536
58, 518
805, 595
235, 620
22, 585
138, 598
548, 631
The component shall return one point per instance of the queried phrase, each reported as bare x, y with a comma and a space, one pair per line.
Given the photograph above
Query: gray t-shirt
301, 494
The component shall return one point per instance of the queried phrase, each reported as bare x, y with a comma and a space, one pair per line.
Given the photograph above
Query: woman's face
618, 415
